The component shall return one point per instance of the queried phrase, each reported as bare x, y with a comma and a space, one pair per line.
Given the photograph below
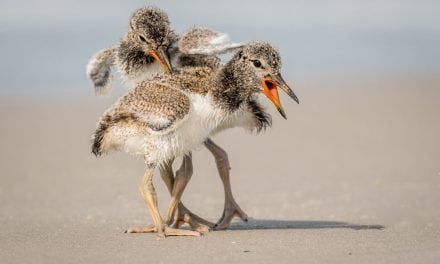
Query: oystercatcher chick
150, 42
171, 115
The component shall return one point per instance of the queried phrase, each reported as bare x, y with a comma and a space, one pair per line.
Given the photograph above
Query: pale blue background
45, 44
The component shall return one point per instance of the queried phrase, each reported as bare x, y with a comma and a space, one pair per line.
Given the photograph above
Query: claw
169, 231
196, 223
144, 229
231, 210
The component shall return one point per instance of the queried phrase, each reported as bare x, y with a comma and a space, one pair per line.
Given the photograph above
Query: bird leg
183, 175
183, 215
231, 207
149, 194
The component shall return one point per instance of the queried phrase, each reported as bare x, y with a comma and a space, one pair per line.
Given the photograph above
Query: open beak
161, 56
271, 91
279, 81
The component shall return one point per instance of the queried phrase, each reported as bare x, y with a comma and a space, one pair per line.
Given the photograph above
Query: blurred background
45, 44
361, 150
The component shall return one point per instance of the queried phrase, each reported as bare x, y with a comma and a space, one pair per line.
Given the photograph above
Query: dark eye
257, 63
142, 39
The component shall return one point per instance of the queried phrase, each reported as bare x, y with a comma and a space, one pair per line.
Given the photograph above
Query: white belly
190, 133
202, 121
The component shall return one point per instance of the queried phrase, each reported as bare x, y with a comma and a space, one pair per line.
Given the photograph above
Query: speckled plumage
149, 30
237, 74
195, 37
151, 23
201, 40
196, 99
143, 111
170, 115
199, 83
198, 60
132, 58
265, 53
199, 80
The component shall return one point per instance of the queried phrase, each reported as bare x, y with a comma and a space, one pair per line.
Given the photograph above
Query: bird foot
167, 231
141, 229
231, 210
196, 223
170, 231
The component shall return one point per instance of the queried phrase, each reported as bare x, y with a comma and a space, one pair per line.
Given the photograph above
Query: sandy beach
353, 176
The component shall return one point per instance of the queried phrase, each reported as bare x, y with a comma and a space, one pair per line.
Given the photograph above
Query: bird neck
233, 85
133, 56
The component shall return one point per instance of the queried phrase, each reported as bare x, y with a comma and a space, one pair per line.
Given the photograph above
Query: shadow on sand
253, 224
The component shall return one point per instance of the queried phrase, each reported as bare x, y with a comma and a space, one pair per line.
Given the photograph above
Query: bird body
166, 117
180, 111
149, 45
171, 115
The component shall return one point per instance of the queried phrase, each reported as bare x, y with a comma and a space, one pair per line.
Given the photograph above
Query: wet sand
353, 176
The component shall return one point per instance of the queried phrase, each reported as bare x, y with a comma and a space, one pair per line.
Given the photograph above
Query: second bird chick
143, 51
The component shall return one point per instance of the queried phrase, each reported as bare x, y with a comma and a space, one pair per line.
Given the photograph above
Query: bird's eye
142, 39
257, 63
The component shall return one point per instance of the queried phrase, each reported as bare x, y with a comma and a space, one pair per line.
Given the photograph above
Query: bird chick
136, 58
169, 116
141, 52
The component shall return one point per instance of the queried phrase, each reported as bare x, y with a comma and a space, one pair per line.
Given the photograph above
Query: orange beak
161, 56
271, 91
279, 81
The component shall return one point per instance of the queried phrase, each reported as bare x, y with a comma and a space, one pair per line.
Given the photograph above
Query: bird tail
103, 140
99, 70
98, 136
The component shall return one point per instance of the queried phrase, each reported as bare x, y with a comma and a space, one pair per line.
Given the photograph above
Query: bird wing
157, 105
206, 41
99, 70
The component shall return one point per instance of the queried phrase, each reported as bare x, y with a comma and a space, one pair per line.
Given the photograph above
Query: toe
169, 231
144, 229
228, 214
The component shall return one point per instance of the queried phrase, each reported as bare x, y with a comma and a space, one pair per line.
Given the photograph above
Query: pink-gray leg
231, 207
183, 214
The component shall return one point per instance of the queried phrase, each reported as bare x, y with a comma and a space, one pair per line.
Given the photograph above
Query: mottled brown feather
193, 79
155, 98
